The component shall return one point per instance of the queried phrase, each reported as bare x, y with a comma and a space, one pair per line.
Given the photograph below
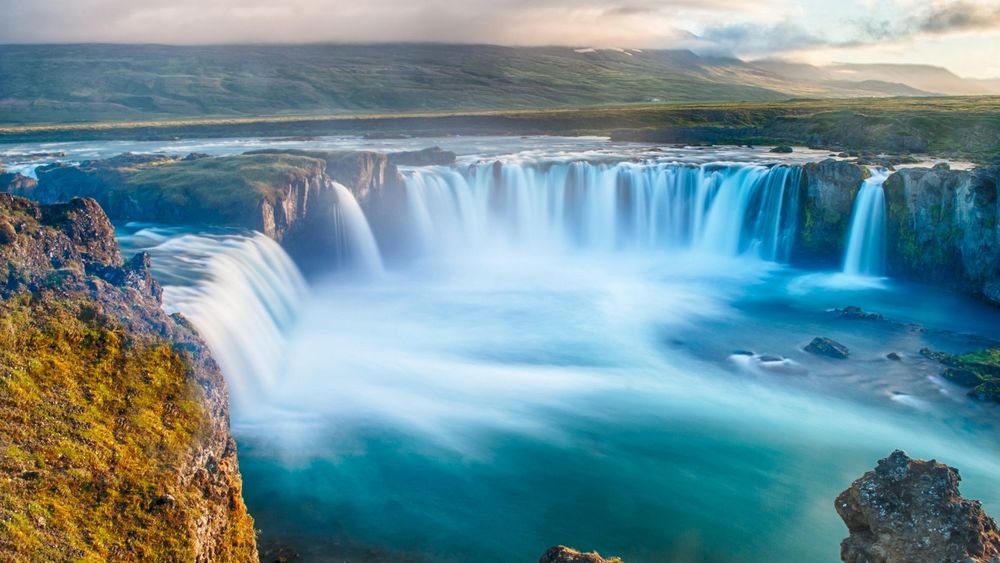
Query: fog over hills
72, 83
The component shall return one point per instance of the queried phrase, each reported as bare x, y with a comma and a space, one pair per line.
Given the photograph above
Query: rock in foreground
114, 425
910, 510
563, 554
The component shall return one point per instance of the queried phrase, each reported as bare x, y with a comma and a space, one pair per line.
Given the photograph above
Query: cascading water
725, 209
242, 293
355, 244
865, 254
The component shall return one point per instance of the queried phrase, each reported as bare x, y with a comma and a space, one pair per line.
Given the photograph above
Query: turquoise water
482, 411
550, 364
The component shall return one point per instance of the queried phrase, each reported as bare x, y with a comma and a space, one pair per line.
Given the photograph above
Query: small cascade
865, 253
241, 292
726, 209
355, 244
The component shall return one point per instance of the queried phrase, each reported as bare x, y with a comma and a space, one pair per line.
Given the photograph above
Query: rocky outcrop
911, 510
563, 554
943, 227
113, 415
268, 193
827, 197
365, 173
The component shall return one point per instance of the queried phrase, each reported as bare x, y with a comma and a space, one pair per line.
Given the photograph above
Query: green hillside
80, 83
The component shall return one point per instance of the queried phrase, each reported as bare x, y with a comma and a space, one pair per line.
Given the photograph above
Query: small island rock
823, 346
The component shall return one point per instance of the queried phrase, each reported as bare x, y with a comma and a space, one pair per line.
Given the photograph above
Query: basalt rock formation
363, 172
828, 192
114, 426
943, 227
910, 510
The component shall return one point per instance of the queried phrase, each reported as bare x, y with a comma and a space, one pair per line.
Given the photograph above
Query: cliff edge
114, 432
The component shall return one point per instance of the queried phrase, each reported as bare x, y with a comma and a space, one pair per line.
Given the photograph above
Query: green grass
68, 83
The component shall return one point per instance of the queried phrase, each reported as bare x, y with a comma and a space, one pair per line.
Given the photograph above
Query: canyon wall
941, 225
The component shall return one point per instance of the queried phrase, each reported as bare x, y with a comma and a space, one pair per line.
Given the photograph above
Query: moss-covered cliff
942, 226
827, 195
114, 436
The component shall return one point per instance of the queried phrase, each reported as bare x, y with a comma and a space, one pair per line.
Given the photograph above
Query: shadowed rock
910, 510
828, 347
563, 554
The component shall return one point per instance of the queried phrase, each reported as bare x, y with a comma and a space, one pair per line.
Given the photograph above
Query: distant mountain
77, 83
925, 79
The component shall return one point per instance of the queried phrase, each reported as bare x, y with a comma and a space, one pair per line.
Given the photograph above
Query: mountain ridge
110, 82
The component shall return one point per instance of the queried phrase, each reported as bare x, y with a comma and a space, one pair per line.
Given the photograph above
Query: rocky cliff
910, 510
365, 173
942, 227
287, 195
114, 426
268, 193
827, 195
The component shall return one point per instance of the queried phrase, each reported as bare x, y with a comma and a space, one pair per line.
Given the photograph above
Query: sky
962, 35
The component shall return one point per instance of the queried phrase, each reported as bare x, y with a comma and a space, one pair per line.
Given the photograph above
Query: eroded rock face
16, 183
828, 192
364, 173
942, 227
563, 554
909, 510
133, 459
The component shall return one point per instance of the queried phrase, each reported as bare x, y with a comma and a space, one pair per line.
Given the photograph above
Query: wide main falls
600, 354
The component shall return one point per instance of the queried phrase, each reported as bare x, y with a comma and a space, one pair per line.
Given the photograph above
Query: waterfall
721, 208
241, 292
865, 254
356, 248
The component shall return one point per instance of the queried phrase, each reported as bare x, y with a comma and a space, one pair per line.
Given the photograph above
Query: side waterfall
865, 253
726, 209
356, 248
242, 293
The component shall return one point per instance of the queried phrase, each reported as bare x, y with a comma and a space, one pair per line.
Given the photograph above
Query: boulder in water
782, 149
823, 346
911, 510
894, 357
852, 312
563, 554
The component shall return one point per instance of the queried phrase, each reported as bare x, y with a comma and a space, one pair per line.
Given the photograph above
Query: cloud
750, 39
649, 23
958, 17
